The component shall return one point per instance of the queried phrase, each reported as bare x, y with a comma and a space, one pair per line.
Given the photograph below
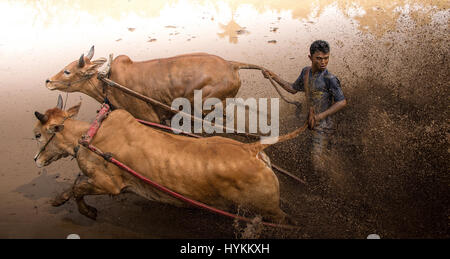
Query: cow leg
62, 198
280, 217
85, 209
223, 102
82, 188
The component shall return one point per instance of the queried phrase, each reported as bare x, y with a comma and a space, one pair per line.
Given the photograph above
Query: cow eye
67, 72
38, 135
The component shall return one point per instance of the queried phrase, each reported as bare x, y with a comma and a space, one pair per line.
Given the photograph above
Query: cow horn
41, 117
90, 55
81, 61
59, 105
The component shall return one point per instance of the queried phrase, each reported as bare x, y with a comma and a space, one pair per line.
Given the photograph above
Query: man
325, 97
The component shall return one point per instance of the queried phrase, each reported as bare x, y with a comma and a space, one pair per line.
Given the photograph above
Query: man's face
319, 60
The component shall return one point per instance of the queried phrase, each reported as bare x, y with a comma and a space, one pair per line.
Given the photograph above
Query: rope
298, 104
158, 103
281, 170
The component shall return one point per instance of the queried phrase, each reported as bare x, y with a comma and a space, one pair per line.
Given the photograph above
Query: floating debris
274, 29
242, 31
151, 40
131, 29
119, 39
272, 41
170, 27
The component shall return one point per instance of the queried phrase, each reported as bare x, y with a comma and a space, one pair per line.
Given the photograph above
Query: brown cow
162, 79
217, 171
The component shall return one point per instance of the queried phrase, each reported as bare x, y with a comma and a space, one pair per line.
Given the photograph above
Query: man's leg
319, 150
326, 163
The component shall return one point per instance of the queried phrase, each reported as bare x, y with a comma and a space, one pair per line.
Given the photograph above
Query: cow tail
238, 65
261, 145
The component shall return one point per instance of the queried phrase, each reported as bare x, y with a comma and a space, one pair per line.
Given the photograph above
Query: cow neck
94, 88
73, 130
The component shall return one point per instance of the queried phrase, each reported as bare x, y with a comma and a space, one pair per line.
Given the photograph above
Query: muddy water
388, 174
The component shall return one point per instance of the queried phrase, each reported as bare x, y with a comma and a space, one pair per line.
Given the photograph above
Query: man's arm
338, 96
284, 84
330, 111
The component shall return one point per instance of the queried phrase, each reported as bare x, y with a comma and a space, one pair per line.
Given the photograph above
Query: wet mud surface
387, 174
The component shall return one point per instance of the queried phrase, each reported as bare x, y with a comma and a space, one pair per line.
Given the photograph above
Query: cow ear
73, 111
99, 61
53, 128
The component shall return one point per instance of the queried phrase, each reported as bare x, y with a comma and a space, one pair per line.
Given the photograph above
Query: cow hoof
60, 199
90, 212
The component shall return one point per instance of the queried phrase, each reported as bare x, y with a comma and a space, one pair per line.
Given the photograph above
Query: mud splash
387, 173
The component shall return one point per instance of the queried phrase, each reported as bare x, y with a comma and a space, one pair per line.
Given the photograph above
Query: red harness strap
87, 139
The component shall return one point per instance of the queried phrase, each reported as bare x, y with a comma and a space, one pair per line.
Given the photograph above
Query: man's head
319, 54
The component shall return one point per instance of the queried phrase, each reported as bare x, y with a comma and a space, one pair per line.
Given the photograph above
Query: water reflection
231, 30
375, 17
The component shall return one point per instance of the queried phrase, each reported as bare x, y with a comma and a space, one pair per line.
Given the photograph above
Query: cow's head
49, 132
75, 76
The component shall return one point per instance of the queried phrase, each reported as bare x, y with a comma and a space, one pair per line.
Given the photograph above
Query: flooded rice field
389, 172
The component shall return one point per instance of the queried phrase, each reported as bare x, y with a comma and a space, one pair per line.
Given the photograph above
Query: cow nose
47, 81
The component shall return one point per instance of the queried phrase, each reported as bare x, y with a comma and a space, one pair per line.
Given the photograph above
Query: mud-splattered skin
319, 61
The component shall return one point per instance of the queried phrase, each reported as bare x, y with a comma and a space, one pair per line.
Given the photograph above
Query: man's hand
286, 86
314, 118
318, 117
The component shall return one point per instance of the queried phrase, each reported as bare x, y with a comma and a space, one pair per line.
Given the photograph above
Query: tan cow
162, 79
217, 171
